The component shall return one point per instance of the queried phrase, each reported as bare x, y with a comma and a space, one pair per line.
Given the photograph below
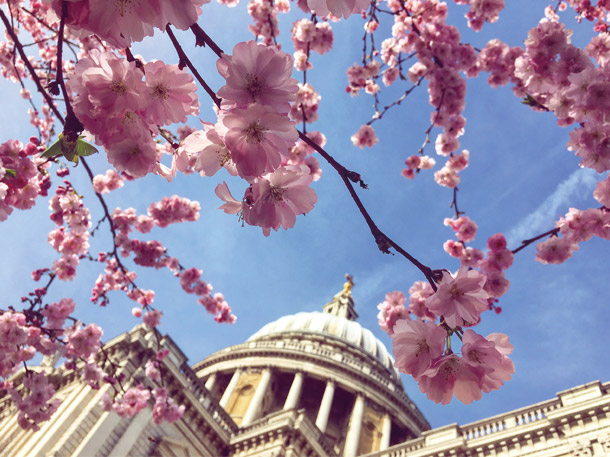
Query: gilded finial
347, 287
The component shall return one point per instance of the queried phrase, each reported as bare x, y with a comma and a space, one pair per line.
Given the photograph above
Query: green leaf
54, 150
69, 150
10, 172
84, 149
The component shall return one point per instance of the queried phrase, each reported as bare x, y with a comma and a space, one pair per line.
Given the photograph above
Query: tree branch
184, 60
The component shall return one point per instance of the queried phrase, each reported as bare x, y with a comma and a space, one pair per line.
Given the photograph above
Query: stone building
309, 384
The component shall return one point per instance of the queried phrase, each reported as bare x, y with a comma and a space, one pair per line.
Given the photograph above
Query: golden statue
347, 287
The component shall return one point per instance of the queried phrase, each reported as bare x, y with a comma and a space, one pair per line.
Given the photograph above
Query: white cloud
578, 185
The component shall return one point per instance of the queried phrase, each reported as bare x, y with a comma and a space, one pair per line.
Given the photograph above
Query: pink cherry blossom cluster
113, 278
264, 13
492, 265
123, 110
305, 107
107, 182
392, 309
484, 365
254, 138
575, 227
134, 400
190, 280
337, 9
40, 328
165, 409
153, 365
448, 175
36, 405
423, 348
83, 342
465, 230
301, 154
415, 163
122, 23
482, 11
443, 60
459, 301
498, 60
71, 237
57, 313
308, 36
587, 10
365, 137
274, 200
559, 77
22, 176
16, 335
153, 254
363, 77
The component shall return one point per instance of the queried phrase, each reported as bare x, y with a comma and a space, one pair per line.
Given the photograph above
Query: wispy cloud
578, 185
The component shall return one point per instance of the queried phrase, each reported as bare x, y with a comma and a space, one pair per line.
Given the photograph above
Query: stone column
230, 388
209, 383
385, 432
355, 424
257, 399
292, 400
327, 401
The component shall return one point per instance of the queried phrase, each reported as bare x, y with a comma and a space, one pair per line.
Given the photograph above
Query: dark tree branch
526, 243
185, 61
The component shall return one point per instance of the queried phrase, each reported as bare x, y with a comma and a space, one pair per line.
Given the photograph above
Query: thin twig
27, 63
381, 239
184, 60
525, 243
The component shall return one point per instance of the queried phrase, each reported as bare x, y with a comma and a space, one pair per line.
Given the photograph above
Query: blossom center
118, 87
223, 156
254, 85
123, 6
277, 193
129, 118
455, 291
160, 92
422, 347
255, 133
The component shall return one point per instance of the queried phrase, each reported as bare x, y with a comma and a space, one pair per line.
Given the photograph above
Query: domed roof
335, 326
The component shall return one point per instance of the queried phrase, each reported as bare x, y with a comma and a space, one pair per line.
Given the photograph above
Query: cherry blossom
343, 8
416, 345
277, 198
172, 93
257, 73
364, 137
210, 151
452, 375
392, 309
555, 250
460, 298
257, 137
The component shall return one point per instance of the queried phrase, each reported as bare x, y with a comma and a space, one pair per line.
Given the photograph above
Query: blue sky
521, 178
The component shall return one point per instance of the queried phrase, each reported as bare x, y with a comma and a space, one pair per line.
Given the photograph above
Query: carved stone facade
311, 384
575, 423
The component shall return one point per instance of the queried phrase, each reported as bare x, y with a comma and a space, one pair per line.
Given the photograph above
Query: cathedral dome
330, 325
325, 366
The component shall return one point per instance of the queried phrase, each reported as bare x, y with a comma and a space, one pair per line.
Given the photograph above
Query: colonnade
352, 439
